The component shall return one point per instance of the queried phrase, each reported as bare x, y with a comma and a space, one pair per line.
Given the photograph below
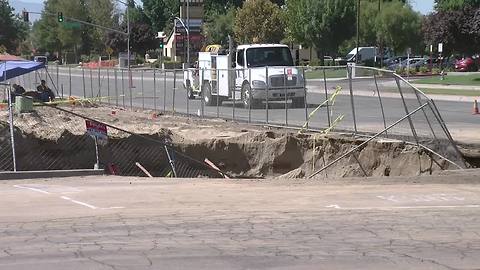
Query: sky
423, 6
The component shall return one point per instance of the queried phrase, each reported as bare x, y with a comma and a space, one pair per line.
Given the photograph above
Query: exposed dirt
238, 149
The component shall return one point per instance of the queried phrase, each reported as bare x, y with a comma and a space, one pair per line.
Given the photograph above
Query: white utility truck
248, 74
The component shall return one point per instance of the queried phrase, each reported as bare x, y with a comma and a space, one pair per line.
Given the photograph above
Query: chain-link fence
366, 101
57, 138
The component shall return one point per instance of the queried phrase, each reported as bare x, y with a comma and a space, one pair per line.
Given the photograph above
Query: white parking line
79, 202
387, 208
32, 189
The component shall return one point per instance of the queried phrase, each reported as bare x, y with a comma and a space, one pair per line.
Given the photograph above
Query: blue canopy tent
12, 69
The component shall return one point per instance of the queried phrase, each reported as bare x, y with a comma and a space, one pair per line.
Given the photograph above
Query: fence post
187, 74
91, 83
130, 86
108, 86
164, 90
250, 96
414, 133
349, 71
268, 87
202, 101
174, 88
286, 96
57, 77
326, 97
69, 81
381, 104
12, 137
83, 80
115, 75
305, 96
218, 92
437, 114
172, 164
143, 91
234, 92
154, 90
99, 85
123, 89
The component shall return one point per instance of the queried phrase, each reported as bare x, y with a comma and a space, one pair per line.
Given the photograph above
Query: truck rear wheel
189, 87
208, 98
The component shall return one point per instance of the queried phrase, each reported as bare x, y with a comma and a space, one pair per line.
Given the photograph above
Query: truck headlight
259, 84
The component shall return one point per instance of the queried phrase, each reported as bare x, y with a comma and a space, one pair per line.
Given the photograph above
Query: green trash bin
23, 104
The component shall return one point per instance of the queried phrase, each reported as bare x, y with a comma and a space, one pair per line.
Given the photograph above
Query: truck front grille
282, 80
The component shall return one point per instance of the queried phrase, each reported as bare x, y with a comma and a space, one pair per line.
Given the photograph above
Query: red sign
97, 130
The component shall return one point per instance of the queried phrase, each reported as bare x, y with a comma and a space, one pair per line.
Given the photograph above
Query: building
176, 44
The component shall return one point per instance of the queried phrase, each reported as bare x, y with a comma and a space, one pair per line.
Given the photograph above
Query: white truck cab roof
242, 47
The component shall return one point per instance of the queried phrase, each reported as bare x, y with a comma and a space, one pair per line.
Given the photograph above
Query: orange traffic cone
475, 107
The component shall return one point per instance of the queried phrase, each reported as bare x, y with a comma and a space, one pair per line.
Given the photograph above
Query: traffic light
25, 16
161, 43
60, 17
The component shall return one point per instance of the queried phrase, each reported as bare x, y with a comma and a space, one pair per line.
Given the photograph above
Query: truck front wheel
247, 100
298, 102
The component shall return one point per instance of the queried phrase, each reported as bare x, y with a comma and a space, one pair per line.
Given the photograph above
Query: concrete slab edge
8, 175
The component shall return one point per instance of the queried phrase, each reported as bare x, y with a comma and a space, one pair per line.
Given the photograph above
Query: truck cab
255, 63
252, 74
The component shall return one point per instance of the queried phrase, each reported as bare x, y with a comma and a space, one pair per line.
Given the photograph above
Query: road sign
97, 130
71, 25
109, 50
440, 47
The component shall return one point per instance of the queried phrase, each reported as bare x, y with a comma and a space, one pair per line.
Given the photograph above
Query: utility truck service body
252, 74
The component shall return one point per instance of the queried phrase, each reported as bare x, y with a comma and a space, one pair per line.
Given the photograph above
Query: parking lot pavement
134, 223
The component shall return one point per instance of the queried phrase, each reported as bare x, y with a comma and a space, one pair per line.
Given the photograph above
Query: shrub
423, 69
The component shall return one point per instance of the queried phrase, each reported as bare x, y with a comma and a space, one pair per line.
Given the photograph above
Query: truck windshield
269, 56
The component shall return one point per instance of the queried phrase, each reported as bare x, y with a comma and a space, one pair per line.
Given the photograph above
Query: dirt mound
289, 155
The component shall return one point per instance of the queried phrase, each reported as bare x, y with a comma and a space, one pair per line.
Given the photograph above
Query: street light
188, 39
128, 37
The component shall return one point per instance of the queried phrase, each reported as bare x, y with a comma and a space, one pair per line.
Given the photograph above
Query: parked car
394, 60
466, 64
413, 63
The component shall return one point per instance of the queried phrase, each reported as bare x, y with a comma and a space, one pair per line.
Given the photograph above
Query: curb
49, 174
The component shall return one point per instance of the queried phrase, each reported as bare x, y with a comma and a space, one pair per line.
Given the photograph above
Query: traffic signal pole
82, 22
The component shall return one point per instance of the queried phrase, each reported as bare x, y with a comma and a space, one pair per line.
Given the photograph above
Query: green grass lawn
453, 92
329, 73
473, 79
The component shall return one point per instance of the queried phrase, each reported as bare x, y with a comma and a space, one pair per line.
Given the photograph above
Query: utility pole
380, 45
188, 34
358, 30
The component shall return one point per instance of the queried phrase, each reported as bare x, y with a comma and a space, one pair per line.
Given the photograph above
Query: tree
142, 36
259, 21
323, 24
12, 30
399, 26
445, 5
159, 12
219, 28
101, 12
458, 30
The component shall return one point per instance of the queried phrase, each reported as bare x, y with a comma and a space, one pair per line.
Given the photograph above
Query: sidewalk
448, 86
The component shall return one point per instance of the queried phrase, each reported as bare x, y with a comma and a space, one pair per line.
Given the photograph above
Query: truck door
240, 70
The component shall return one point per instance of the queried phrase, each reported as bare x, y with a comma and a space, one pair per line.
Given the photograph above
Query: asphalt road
126, 223
166, 93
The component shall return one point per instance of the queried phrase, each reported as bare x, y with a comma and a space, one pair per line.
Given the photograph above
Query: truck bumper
278, 93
